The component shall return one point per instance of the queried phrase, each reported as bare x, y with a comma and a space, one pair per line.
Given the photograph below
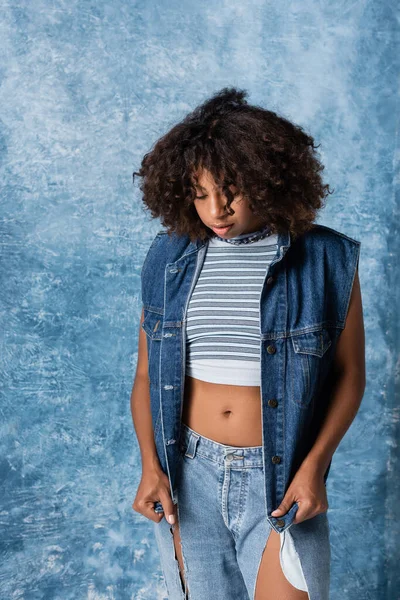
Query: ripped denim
223, 529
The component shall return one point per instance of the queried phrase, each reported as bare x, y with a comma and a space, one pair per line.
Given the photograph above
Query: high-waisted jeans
223, 527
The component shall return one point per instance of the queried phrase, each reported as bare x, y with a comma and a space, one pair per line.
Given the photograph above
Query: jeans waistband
192, 443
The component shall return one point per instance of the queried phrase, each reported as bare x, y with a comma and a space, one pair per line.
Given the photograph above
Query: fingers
146, 508
155, 510
283, 508
168, 506
308, 510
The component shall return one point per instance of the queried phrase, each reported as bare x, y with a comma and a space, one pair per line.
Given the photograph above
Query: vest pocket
152, 324
308, 348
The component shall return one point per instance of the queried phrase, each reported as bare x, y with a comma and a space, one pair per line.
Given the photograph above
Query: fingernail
171, 519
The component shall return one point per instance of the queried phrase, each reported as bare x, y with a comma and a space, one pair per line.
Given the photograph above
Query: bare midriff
228, 414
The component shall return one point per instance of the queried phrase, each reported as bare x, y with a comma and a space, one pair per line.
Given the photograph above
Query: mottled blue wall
85, 90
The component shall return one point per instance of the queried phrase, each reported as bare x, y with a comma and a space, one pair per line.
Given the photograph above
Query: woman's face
210, 205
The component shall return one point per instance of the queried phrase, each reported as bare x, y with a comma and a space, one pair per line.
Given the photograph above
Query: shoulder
326, 248
165, 247
170, 244
323, 233
327, 260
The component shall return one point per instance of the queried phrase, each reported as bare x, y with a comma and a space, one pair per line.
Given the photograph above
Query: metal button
272, 402
271, 349
173, 270
270, 280
229, 457
280, 523
276, 460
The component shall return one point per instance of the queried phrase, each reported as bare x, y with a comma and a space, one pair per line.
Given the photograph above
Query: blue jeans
223, 529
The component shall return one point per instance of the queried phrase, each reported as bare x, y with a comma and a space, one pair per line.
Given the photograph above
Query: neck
247, 237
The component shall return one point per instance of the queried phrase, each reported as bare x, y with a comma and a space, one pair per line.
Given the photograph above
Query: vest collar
284, 243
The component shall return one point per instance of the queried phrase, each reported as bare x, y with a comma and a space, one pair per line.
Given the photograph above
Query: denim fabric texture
303, 307
223, 532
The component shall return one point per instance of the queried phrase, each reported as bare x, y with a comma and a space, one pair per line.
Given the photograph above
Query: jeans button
229, 457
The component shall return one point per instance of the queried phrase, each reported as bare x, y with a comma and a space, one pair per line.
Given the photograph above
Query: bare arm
140, 406
154, 484
349, 364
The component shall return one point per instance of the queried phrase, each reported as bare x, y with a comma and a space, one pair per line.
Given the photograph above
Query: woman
251, 356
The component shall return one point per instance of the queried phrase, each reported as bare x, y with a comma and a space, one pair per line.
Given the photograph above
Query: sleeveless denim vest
303, 307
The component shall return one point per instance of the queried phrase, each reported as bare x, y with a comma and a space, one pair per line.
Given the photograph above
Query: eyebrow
202, 187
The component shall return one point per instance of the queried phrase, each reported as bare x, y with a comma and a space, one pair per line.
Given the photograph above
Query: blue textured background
85, 90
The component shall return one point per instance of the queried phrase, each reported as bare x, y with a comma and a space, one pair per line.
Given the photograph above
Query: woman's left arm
307, 487
349, 367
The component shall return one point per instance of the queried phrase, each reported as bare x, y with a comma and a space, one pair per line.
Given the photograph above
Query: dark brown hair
271, 161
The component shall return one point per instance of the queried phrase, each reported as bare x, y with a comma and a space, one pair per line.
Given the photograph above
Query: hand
154, 487
308, 490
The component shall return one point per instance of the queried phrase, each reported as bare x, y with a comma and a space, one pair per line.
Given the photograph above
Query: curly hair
270, 161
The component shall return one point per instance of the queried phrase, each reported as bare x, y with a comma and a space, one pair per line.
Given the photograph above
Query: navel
226, 413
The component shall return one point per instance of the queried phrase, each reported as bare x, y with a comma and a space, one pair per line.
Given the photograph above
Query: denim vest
303, 307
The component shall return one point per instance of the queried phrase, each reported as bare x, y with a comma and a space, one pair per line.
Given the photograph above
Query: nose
217, 206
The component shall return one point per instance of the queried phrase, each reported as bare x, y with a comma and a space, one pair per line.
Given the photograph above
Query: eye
200, 197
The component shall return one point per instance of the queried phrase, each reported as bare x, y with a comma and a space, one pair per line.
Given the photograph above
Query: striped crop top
223, 319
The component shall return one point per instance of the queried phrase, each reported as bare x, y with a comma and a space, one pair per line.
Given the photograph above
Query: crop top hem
237, 372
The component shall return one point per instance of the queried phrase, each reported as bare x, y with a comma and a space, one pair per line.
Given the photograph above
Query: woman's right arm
140, 406
154, 484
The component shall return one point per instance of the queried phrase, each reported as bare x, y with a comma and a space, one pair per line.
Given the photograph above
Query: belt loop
191, 449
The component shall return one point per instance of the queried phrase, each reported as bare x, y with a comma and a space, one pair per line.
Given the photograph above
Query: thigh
271, 580
178, 549
259, 547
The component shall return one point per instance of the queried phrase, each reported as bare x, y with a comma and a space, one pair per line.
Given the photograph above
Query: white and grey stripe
223, 313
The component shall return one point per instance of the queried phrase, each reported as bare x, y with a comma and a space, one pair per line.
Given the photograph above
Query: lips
222, 230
